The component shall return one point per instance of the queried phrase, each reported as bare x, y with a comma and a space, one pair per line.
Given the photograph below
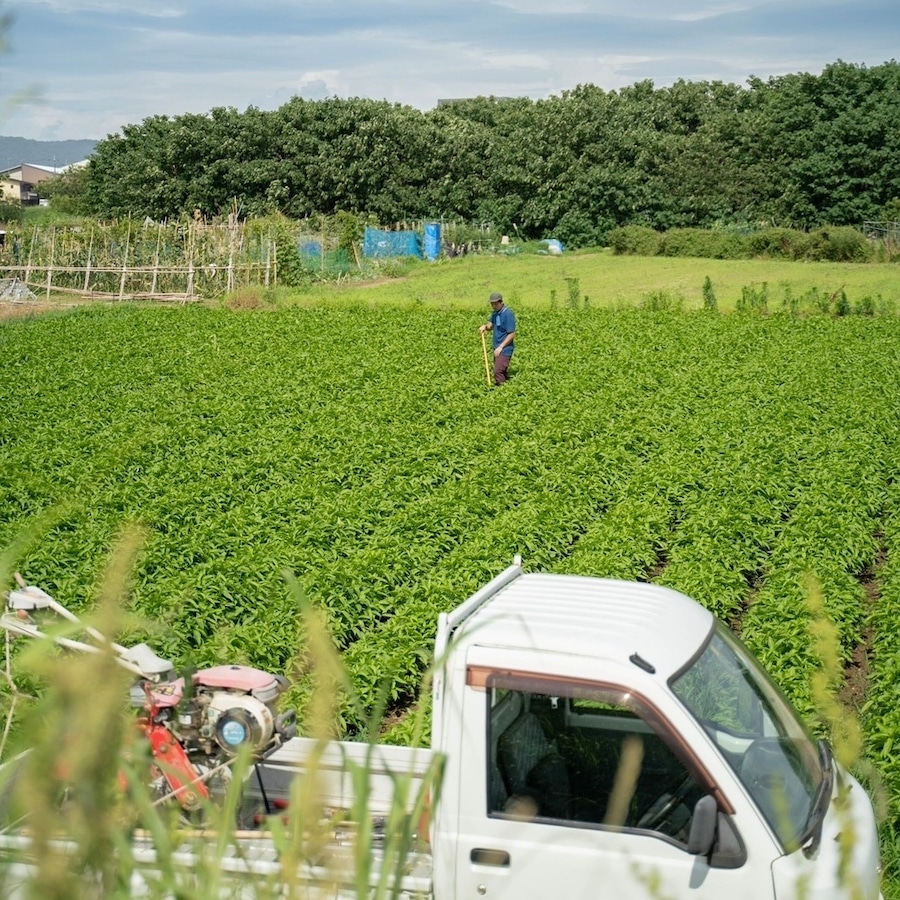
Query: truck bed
254, 855
328, 770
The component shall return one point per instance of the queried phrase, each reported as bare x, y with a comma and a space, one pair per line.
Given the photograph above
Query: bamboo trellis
62, 261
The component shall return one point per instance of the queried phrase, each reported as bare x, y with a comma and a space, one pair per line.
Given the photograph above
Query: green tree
66, 191
829, 142
798, 150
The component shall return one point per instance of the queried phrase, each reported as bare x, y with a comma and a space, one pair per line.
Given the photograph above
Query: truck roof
600, 618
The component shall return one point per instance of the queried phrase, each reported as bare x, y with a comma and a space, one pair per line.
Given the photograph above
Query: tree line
796, 151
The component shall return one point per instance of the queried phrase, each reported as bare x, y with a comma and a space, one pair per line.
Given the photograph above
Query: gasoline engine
218, 711
195, 725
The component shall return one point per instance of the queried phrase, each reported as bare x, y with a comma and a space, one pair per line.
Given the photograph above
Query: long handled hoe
487, 365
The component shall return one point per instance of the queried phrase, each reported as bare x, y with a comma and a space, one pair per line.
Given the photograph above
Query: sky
84, 69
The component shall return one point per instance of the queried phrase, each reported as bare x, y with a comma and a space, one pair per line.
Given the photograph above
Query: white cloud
110, 7
711, 11
680, 10
515, 61
553, 7
108, 63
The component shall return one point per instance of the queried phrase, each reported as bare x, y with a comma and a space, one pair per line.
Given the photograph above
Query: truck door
581, 792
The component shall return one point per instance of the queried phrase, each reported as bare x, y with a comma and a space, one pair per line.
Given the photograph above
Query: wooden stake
50, 267
87, 268
190, 277
125, 263
487, 365
156, 259
30, 255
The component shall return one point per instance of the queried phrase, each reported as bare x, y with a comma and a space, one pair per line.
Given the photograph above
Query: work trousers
501, 364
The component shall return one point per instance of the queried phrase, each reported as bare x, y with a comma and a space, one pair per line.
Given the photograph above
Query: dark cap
496, 298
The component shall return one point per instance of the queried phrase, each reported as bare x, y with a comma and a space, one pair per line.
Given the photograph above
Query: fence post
125, 263
30, 255
229, 281
155, 280
190, 278
50, 267
87, 270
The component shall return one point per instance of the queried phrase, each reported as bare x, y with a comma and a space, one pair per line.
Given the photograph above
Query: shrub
839, 245
10, 212
816, 300
779, 243
709, 296
702, 243
754, 298
661, 301
841, 304
291, 269
638, 240
789, 301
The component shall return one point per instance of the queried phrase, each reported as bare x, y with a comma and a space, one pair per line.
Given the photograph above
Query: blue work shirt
503, 322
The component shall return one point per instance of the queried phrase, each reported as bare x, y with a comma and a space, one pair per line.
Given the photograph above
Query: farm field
359, 447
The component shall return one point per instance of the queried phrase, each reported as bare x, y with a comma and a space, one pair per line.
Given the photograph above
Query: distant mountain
16, 150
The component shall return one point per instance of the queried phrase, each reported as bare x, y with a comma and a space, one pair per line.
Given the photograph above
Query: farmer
503, 328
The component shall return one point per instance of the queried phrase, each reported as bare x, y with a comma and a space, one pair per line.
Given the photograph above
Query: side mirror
703, 826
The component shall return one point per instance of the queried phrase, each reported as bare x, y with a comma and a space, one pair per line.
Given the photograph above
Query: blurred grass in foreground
78, 818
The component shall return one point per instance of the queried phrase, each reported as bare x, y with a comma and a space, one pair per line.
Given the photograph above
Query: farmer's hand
497, 352
482, 328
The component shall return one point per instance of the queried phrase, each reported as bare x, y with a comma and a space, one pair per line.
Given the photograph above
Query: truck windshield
758, 733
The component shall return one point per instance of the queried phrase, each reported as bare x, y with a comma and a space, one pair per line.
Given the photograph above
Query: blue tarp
432, 240
377, 243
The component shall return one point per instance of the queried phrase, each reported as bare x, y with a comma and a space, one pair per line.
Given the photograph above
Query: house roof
27, 171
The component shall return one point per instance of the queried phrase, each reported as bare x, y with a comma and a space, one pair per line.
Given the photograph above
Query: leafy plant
709, 295
353, 443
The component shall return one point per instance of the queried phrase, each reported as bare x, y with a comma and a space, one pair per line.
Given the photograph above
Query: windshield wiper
812, 833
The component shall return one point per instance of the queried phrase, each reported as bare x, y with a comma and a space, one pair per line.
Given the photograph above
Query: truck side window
590, 758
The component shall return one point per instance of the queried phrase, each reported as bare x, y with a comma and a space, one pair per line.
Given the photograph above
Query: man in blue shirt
503, 328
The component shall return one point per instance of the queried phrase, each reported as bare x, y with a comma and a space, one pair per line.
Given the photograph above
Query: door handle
483, 856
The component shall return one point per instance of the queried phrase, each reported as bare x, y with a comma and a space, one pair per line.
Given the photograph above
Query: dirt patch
856, 671
655, 571
754, 581
22, 309
853, 691
246, 298
376, 282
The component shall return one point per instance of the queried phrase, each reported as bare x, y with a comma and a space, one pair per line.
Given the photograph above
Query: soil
22, 309
852, 694
856, 671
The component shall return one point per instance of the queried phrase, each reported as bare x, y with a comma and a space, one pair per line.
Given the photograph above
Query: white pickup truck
600, 738
605, 738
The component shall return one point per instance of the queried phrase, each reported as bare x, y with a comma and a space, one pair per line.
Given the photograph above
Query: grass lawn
597, 277
613, 281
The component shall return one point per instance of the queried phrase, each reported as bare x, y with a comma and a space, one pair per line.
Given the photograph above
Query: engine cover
238, 720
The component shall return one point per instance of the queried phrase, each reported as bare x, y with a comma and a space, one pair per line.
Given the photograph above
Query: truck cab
609, 738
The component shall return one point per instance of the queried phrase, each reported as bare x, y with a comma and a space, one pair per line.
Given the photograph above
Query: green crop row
361, 450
